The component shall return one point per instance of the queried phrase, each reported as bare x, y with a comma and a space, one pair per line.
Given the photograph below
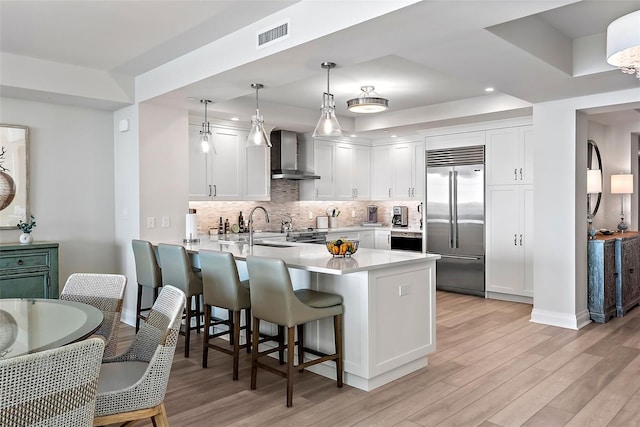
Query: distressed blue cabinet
613, 277
29, 271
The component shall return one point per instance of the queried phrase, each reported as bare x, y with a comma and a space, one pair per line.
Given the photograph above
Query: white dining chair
105, 292
54, 387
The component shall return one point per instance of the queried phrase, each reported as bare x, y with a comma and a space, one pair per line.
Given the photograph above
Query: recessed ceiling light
489, 89
353, 135
235, 119
394, 136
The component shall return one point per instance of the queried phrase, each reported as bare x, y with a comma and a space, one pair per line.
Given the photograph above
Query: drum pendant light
368, 102
257, 135
328, 124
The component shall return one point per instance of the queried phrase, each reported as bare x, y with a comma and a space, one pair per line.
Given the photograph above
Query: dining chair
133, 384
148, 274
54, 387
177, 271
105, 292
274, 300
223, 288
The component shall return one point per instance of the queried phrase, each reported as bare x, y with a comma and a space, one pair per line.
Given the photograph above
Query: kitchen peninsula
389, 300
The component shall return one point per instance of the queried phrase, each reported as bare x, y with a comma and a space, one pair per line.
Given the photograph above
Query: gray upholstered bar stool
148, 275
177, 271
274, 300
222, 288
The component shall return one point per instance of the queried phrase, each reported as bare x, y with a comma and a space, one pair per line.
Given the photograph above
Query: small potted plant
26, 227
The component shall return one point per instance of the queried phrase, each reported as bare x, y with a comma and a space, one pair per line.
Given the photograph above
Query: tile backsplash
284, 200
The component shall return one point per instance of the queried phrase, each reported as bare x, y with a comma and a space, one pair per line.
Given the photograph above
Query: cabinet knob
20, 262
631, 270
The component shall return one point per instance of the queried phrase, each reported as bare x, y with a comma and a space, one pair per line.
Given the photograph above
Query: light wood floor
492, 367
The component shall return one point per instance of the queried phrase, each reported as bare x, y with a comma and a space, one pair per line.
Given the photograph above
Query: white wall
71, 182
560, 207
152, 180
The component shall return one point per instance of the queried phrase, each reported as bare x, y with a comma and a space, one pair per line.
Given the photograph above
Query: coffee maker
400, 216
372, 214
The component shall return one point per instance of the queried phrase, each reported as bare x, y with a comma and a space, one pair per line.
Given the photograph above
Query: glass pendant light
257, 135
205, 132
328, 124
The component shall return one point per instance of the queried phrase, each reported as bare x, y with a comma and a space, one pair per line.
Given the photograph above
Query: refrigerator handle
455, 210
451, 246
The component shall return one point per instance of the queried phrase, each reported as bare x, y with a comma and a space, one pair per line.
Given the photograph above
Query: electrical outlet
310, 215
403, 290
151, 222
353, 213
166, 222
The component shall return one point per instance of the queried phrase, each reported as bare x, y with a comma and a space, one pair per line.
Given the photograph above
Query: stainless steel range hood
284, 157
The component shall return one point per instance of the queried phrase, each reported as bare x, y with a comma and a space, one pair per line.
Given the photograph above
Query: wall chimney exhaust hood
284, 157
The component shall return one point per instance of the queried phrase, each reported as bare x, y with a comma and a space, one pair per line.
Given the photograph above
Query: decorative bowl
342, 247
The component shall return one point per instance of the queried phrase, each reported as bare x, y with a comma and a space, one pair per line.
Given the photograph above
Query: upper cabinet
398, 171
231, 170
352, 172
510, 156
344, 169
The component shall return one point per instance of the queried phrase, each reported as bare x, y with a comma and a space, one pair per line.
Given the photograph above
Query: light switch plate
166, 222
151, 222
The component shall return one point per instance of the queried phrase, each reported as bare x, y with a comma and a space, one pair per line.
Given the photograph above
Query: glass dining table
29, 325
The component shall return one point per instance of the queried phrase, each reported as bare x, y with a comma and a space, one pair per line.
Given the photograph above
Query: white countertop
312, 257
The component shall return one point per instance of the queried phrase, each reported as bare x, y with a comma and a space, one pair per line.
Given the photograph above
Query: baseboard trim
561, 320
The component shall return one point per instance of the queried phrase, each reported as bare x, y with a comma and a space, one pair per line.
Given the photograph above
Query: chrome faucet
286, 225
266, 217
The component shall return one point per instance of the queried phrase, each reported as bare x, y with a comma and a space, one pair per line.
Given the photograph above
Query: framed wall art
14, 175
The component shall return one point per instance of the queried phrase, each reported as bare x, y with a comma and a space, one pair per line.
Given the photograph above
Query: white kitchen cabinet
257, 182
383, 239
365, 237
352, 172
398, 171
317, 156
230, 171
510, 240
509, 156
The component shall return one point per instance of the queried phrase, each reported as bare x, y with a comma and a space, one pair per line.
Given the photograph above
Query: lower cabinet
383, 239
613, 269
365, 238
29, 271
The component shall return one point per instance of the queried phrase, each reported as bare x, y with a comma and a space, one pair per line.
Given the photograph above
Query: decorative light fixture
328, 124
257, 135
622, 184
367, 102
623, 43
205, 132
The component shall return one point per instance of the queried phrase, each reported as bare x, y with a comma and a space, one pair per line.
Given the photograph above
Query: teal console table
614, 275
29, 271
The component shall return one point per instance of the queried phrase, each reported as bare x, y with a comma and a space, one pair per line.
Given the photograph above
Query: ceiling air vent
272, 35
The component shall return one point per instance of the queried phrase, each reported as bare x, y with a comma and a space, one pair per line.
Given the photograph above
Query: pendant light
328, 124
205, 132
257, 135
368, 102
623, 43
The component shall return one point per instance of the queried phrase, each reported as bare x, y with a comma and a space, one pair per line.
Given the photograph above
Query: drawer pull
20, 262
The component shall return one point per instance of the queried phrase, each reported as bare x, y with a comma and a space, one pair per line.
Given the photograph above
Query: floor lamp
622, 184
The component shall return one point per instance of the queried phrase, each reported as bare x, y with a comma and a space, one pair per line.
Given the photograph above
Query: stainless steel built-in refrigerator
455, 217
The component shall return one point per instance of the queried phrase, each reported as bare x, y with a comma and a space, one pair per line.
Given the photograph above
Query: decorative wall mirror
14, 175
594, 178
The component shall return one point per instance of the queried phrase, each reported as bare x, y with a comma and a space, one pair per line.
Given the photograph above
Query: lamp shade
594, 181
623, 43
622, 184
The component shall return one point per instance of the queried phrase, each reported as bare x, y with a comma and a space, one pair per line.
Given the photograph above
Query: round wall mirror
594, 177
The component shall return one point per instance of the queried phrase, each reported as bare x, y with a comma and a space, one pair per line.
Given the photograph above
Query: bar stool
222, 288
148, 275
177, 271
274, 300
